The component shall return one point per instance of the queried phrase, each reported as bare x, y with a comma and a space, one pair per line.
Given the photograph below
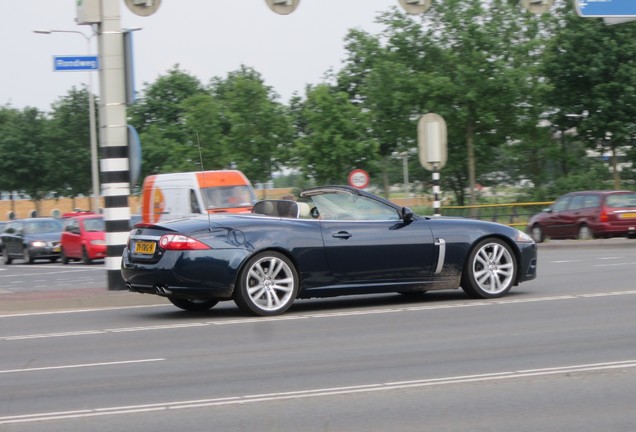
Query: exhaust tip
162, 290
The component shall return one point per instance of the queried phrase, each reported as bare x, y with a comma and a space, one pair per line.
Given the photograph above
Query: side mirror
407, 214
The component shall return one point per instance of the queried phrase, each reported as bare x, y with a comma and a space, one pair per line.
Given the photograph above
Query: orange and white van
177, 195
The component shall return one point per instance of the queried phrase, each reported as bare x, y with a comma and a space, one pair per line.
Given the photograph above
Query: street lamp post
91, 115
405, 169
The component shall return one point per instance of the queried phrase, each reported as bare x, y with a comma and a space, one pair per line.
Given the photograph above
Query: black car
31, 239
2, 225
339, 240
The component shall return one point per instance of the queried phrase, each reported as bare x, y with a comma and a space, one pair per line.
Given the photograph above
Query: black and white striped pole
436, 191
431, 140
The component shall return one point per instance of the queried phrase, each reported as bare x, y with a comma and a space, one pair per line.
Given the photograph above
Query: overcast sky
206, 38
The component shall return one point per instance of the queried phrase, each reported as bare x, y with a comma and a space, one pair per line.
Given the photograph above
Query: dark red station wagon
585, 215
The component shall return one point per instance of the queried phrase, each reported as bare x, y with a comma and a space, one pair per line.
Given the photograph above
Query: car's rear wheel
585, 233
267, 285
491, 269
193, 305
537, 233
26, 256
5, 256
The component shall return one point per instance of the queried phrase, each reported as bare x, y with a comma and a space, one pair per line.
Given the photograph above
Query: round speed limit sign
359, 178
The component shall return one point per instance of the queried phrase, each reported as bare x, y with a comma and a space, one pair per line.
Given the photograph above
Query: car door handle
341, 235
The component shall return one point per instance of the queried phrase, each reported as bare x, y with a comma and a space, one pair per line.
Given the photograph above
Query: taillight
180, 242
603, 217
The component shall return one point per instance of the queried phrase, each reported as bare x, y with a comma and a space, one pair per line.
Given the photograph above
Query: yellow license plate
631, 215
143, 247
57, 249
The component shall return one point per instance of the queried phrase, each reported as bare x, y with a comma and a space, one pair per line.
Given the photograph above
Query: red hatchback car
84, 238
585, 215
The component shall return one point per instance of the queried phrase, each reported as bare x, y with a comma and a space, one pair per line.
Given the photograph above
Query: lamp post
405, 169
91, 115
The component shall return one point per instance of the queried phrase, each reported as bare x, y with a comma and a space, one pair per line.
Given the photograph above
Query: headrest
265, 208
303, 209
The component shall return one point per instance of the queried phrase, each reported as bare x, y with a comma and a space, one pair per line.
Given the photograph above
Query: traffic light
282, 7
537, 6
415, 7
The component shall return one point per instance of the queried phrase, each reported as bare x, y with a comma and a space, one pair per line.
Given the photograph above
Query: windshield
42, 227
228, 196
344, 206
621, 200
96, 224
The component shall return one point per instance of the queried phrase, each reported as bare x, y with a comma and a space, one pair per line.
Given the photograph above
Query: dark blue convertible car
335, 240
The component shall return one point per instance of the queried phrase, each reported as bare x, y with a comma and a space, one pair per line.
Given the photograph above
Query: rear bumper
187, 274
608, 229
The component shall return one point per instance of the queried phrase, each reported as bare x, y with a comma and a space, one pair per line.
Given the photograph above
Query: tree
257, 130
159, 117
333, 140
591, 70
27, 154
381, 78
481, 97
457, 62
69, 133
203, 115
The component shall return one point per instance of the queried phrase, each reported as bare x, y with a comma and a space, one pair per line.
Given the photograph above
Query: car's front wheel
26, 256
5, 255
491, 269
267, 285
193, 305
85, 258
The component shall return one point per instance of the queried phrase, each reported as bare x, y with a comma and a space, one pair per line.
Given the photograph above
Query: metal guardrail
512, 214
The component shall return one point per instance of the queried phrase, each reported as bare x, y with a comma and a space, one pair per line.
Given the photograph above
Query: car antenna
203, 195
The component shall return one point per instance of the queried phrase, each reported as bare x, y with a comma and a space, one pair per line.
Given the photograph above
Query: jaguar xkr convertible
335, 240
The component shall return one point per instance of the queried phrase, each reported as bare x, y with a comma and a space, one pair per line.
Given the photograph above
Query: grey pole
114, 140
93, 133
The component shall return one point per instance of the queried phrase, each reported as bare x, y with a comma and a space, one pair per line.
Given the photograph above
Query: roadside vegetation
540, 104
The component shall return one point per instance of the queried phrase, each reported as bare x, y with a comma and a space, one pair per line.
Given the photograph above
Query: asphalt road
558, 353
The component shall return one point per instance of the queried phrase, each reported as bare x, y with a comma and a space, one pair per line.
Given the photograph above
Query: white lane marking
53, 272
65, 312
594, 259
614, 264
75, 366
103, 331
291, 317
311, 393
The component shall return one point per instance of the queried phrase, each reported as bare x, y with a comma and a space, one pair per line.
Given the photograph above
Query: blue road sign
75, 63
605, 8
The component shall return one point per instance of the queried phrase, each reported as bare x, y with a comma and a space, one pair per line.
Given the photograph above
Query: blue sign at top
75, 63
605, 8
